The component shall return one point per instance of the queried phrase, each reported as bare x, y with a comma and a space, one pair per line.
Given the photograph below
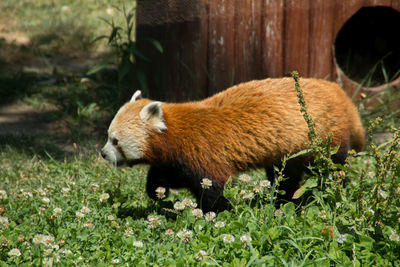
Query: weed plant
122, 39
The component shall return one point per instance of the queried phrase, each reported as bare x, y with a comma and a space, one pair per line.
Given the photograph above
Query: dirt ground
18, 57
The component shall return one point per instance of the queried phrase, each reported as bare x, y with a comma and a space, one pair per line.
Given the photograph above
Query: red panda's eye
114, 141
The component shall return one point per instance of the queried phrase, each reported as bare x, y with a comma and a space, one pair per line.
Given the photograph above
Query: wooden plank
272, 37
396, 4
321, 39
221, 36
172, 65
192, 57
296, 49
377, 2
247, 40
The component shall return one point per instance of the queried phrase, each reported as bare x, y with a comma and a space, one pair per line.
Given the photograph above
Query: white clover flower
257, 189
65, 190
189, 203
179, 205
206, 183
137, 244
341, 238
244, 178
3, 194
169, 232
85, 210
210, 216
4, 221
40, 192
265, 184
219, 224
88, 225
57, 212
397, 191
94, 187
46, 240
14, 253
228, 238
79, 215
160, 192
382, 193
104, 197
47, 252
278, 212
46, 200
116, 260
128, 232
202, 253
197, 213
185, 235
153, 221
38, 239
246, 239
248, 195
394, 237
110, 217
25, 194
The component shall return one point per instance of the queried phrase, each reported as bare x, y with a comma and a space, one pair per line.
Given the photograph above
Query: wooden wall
225, 42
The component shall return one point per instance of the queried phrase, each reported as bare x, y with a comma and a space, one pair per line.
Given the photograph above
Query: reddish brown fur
250, 125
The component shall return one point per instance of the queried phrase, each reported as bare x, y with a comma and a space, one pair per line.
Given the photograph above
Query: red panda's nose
103, 154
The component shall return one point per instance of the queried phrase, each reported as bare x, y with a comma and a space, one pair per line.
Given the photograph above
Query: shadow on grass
143, 212
41, 145
14, 87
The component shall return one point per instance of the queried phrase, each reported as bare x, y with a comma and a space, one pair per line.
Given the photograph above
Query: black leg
157, 177
293, 173
212, 199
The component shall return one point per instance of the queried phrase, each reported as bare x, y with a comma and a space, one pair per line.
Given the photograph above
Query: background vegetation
61, 204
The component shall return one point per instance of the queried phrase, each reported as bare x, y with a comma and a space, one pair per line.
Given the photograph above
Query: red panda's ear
136, 96
153, 114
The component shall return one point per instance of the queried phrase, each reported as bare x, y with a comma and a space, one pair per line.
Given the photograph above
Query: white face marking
126, 138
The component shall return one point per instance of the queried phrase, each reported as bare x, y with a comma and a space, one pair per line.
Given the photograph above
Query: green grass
60, 25
45, 191
350, 227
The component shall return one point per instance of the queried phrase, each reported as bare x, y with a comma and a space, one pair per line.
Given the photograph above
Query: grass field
81, 211
61, 204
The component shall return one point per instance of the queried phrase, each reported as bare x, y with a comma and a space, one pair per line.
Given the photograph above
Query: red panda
250, 125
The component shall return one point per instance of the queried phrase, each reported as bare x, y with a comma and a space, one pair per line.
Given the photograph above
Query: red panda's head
130, 128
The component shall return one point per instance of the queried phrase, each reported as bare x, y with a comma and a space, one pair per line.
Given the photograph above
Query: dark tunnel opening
367, 47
